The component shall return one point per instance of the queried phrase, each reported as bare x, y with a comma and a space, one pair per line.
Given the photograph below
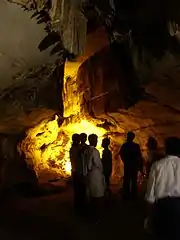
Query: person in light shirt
163, 193
95, 177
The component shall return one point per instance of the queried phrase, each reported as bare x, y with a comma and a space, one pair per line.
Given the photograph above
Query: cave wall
157, 114
30, 84
29, 101
19, 43
30, 89
101, 80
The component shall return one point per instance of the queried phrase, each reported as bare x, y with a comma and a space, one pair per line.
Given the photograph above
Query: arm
150, 192
90, 160
110, 153
103, 157
71, 155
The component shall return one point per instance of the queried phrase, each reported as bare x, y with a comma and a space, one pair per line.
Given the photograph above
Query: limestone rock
29, 101
19, 43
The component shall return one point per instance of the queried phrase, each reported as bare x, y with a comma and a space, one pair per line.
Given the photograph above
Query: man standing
84, 158
95, 181
131, 156
163, 193
107, 162
84, 152
83, 139
76, 164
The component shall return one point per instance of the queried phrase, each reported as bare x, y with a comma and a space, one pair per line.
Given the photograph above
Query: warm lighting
47, 145
68, 168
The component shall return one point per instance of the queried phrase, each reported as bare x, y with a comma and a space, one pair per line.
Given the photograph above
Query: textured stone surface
27, 102
19, 43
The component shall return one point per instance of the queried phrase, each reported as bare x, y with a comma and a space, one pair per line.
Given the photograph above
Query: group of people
90, 174
91, 177
163, 183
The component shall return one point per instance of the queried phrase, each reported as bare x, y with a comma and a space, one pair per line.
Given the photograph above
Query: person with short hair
107, 162
163, 192
83, 139
75, 153
130, 154
84, 152
84, 158
95, 181
77, 173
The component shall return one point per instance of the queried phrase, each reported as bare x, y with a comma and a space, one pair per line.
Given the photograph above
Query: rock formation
94, 84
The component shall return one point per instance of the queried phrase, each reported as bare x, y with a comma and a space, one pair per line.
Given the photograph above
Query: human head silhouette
93, 139
75, 139
83, 138
105, 142
172, 146
152, 143
130, 136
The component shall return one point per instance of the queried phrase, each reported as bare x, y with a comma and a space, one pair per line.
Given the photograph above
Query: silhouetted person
77, 173
84, 158
83, 139
131, 156
84, 151
107, 162
163, 192
152, 153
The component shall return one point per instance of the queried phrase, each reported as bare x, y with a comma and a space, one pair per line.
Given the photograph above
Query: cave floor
52, 217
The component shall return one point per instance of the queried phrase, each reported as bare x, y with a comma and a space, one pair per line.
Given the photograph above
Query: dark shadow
111, 80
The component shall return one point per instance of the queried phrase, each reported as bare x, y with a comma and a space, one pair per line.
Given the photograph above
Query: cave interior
105, 90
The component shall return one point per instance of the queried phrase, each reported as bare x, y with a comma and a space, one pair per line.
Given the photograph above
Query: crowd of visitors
91, 179
90, 174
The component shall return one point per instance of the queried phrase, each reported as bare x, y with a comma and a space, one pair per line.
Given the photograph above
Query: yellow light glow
68, 168
47, 145
85, 126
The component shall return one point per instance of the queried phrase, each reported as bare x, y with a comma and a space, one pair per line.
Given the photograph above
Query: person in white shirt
95, 177
163, 192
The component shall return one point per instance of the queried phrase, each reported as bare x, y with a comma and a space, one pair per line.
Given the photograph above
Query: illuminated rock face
149, 117
48, 143
24, 101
